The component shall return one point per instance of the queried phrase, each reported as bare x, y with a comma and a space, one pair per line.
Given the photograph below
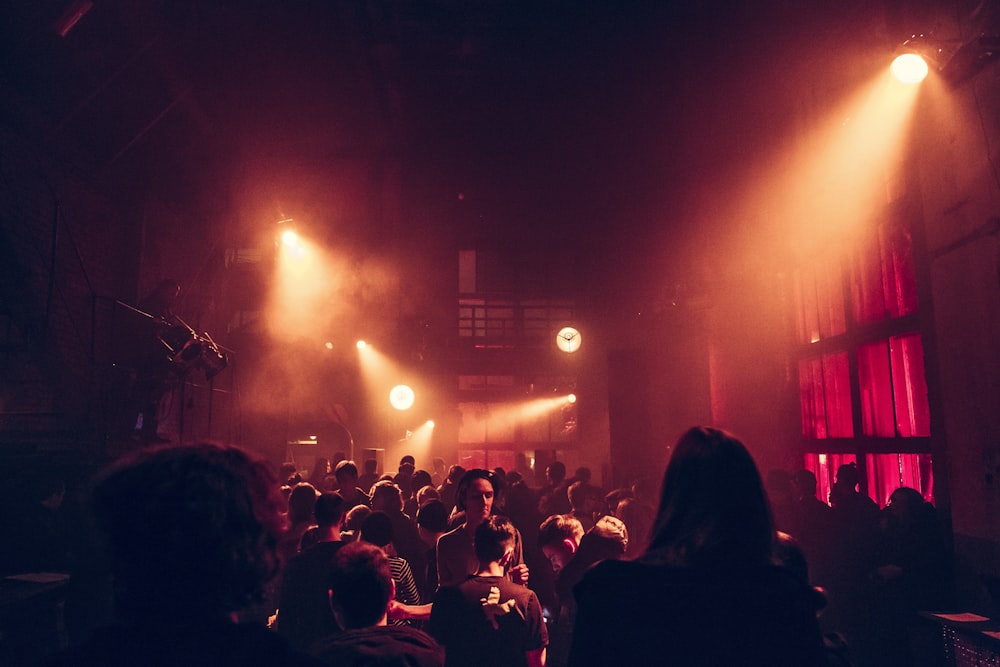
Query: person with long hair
706, 591
191, 535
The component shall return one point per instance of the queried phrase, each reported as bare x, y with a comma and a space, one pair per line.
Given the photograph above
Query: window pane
899, 278
894, 388
825, 467
825, 395
883, 283
910, 386
888, 472
876, 390
820, 301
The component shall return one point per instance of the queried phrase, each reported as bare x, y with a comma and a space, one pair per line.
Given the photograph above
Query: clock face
568, 339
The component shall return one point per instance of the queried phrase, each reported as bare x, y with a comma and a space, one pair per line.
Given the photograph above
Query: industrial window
893, 388
825, 393
862, 384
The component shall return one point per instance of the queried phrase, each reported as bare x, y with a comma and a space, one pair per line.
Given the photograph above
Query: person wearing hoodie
571, 552
360, 589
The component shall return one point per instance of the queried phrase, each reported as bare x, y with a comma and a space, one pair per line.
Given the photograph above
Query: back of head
329, 509
377, 529
427, 494
191, 530
356, 517
360, 582
433, 516
301, 502
713, 508
579, 493
420, 479
556, 471
494, 537
847, 475
805, 482
387, 497
346, 472
557, 528
455, 473
907, 507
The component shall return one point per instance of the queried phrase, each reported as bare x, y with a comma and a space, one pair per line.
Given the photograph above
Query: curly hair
189, 528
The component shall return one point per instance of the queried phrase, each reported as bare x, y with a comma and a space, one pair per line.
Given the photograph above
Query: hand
397, 611
519, 574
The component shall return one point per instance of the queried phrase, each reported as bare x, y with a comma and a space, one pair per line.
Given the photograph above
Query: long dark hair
713, 507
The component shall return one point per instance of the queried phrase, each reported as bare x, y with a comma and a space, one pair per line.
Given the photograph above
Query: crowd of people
217, 558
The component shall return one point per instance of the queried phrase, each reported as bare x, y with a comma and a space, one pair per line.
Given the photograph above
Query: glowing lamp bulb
361, 344
401, 397
909, 68
290, 238
430, 423
571, 398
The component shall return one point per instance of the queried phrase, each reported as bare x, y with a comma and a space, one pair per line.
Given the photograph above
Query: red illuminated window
825, 393
862, 383
819, 294
882, 279
888, 472
884, 473
825, 466
893, 388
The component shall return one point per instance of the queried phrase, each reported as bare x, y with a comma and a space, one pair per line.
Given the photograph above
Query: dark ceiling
582, 122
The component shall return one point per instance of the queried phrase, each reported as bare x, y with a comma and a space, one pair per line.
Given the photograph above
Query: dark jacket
644, 613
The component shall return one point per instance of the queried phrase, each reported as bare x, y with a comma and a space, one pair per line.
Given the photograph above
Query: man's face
479, 499
558, 555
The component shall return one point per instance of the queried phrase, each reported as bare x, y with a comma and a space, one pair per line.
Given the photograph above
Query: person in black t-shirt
487, 619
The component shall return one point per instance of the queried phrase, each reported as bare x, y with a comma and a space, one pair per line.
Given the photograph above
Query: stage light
401, 397
430, 423
954, 60
362, 344
290, 238
909, 68
328, 345
571, 398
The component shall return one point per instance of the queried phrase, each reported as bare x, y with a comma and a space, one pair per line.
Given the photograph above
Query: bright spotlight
571, 398
401, 397
361, 344
290, 238
328, 345
430, 423
909, 68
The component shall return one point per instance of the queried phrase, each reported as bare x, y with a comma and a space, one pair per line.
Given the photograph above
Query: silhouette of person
191, 534
706, 592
